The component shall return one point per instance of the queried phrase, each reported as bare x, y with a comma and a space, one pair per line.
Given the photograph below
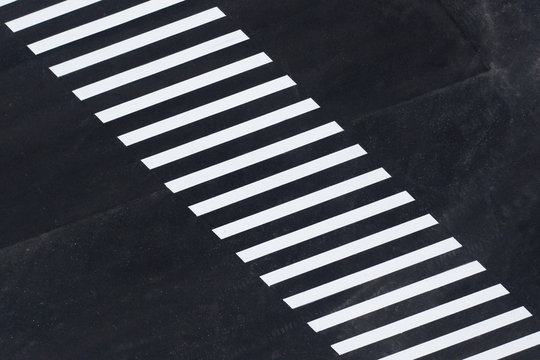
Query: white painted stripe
459, 336
234, 132
102, 24
157, 66
419, 319
183, 87
396, 296
253, 157
136, 42
279, 179
324, 227
347, 250
6, 2
511, 348
48, 13
204, 111
301, 203
372, 273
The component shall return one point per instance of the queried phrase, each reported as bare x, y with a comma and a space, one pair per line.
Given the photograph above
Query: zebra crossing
322, 198
99, 25
154, 67
48, 13
6, 2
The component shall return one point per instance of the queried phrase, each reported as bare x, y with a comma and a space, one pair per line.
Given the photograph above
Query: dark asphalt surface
99, 260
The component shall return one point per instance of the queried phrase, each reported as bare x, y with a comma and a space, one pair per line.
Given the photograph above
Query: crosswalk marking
136, 42
183, 87
396, 296
511, 348
285, 209
157, 66
301, 203
99, 25
276, 180
6, 2
347, 250
253, 157
324, 227
48, 13
204, 111
231, 133
372, 273
417, 320
459, 336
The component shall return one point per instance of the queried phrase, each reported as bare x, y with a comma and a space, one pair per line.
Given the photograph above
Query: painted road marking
136, 42
324, 227
420, 319
183, 87
157, 66
372, 273
204, 111
276, 180
301, 203
6, 2
48, 13
231, 133
253, 157
459, 336
347, 250
511, 348
396, 296
97, 26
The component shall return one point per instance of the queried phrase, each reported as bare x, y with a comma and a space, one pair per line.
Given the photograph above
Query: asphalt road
100, 259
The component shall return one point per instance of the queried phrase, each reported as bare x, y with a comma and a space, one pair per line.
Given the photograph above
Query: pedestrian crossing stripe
314, 167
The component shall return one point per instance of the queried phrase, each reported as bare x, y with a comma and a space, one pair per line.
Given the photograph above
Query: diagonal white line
276, 180
396, 296
6, 2
301, 203
324, 227
234, 132
157, 66
46, 14
183, 87
459, 336
347, 250
419, 319
372, 273
253, 157
204, 111
511, 348
99, 25
136, 42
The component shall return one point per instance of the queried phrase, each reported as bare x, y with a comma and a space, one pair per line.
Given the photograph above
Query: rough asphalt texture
100, 261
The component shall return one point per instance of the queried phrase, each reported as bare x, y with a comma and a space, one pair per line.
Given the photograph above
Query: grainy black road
100, 260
